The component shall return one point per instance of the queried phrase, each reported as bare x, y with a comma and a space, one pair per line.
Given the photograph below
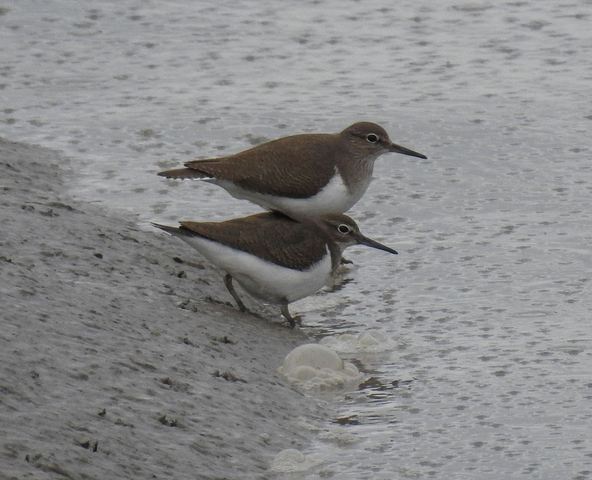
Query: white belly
335, 197
262, 279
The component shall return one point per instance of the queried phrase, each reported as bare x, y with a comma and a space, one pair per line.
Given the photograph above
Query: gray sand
103, 374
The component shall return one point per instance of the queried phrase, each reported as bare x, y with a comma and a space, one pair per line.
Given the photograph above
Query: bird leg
230, 288
292, 321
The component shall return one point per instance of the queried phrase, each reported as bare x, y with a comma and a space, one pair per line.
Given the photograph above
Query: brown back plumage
271, 236
297, 166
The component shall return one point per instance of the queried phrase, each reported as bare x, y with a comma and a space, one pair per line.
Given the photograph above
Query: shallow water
487, 306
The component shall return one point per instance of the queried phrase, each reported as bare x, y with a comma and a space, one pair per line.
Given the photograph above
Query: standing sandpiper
301, 175
273, 257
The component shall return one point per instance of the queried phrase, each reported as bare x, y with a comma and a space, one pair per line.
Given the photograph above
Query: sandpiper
274, 258
301, 175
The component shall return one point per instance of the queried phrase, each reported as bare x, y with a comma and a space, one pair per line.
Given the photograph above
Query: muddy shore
119, 356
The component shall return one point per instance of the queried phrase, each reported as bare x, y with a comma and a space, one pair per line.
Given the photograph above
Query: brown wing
296, 167
269, 235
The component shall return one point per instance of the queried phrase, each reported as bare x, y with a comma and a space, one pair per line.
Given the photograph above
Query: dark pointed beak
393, 147
373, 243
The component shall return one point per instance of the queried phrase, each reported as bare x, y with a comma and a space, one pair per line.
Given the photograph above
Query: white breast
333, 198
262, 279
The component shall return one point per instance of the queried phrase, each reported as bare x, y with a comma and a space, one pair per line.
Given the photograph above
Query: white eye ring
372, 138
344, 229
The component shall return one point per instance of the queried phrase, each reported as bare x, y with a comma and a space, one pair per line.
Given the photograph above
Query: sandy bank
113, 361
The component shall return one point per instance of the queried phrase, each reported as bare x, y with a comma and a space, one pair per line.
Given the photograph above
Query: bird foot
297, 319
292, 320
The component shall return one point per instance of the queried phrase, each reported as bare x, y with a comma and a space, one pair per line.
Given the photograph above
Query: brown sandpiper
301, 175
274, 258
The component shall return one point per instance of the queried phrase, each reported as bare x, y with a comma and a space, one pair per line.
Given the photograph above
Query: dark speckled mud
113, 360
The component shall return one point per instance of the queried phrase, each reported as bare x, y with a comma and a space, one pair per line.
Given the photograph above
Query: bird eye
372, 138
343, 228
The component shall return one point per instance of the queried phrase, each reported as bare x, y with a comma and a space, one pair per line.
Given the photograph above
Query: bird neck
356, 170
336, 251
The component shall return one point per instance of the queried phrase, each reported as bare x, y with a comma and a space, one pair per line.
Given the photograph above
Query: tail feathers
182, 173
167, 228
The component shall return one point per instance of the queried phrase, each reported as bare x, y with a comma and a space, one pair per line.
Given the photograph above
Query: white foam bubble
317, 367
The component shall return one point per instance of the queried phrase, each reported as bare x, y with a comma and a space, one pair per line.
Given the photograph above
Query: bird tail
182, 173
181, 231
167, 228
